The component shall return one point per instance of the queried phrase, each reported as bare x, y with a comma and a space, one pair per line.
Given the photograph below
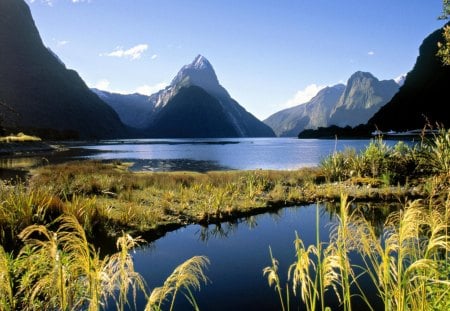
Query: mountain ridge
47, 98
343, 105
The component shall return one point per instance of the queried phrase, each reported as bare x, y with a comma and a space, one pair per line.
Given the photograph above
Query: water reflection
375, 213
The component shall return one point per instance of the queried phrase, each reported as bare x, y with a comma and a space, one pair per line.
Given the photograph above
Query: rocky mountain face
424, 96
42, 95
133, 109
193, 113
340, 105
364, 95
188, 107
313, 114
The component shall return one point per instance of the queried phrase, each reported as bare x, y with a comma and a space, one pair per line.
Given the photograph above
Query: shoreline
28, 148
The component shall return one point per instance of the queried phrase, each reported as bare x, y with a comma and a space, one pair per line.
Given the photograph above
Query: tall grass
435, 153
274, 279
392, 164
407, 265
58, 269
378, 161
188, 276
7, 300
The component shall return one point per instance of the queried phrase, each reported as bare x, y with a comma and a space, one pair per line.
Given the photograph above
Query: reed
407, 263
378, 160
123, 277
7, 300
274, 279
58, 269
188, 276
435, 153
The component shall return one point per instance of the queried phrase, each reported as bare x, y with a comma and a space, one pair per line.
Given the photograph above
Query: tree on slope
444, 47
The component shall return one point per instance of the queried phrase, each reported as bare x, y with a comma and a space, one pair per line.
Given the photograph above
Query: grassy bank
107, 195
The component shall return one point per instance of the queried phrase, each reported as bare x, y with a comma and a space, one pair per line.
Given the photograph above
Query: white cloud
371, 53
62, 43
102, 84
151, 89
303, 96
133, 53
154, 56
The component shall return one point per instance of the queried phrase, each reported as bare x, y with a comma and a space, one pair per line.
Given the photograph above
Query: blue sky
269, 54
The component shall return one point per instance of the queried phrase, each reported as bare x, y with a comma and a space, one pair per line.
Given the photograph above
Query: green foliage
444, 47
434, 155
445, 9
392, 165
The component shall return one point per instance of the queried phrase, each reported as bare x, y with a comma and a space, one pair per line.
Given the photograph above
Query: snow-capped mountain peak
200, 73
200, 62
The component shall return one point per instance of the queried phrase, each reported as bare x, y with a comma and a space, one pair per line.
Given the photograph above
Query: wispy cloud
154, 56
303, 96
371, 53
133, 53
62, 43
151, 89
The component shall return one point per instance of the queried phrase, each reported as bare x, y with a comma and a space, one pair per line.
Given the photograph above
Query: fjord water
220, 154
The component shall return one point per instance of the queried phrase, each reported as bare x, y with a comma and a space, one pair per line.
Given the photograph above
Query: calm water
194, 154
238, 253
217, 154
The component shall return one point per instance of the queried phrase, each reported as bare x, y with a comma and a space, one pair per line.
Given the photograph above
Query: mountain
193, 112
363, 96
424, 95
133, 109
193, 105
340, 105
200, 73
313, 114
45, 97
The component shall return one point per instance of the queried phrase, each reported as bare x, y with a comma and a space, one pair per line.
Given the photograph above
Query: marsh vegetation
48, 258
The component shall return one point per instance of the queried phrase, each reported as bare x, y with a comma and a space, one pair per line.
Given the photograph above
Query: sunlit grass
20, 137
58, 269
